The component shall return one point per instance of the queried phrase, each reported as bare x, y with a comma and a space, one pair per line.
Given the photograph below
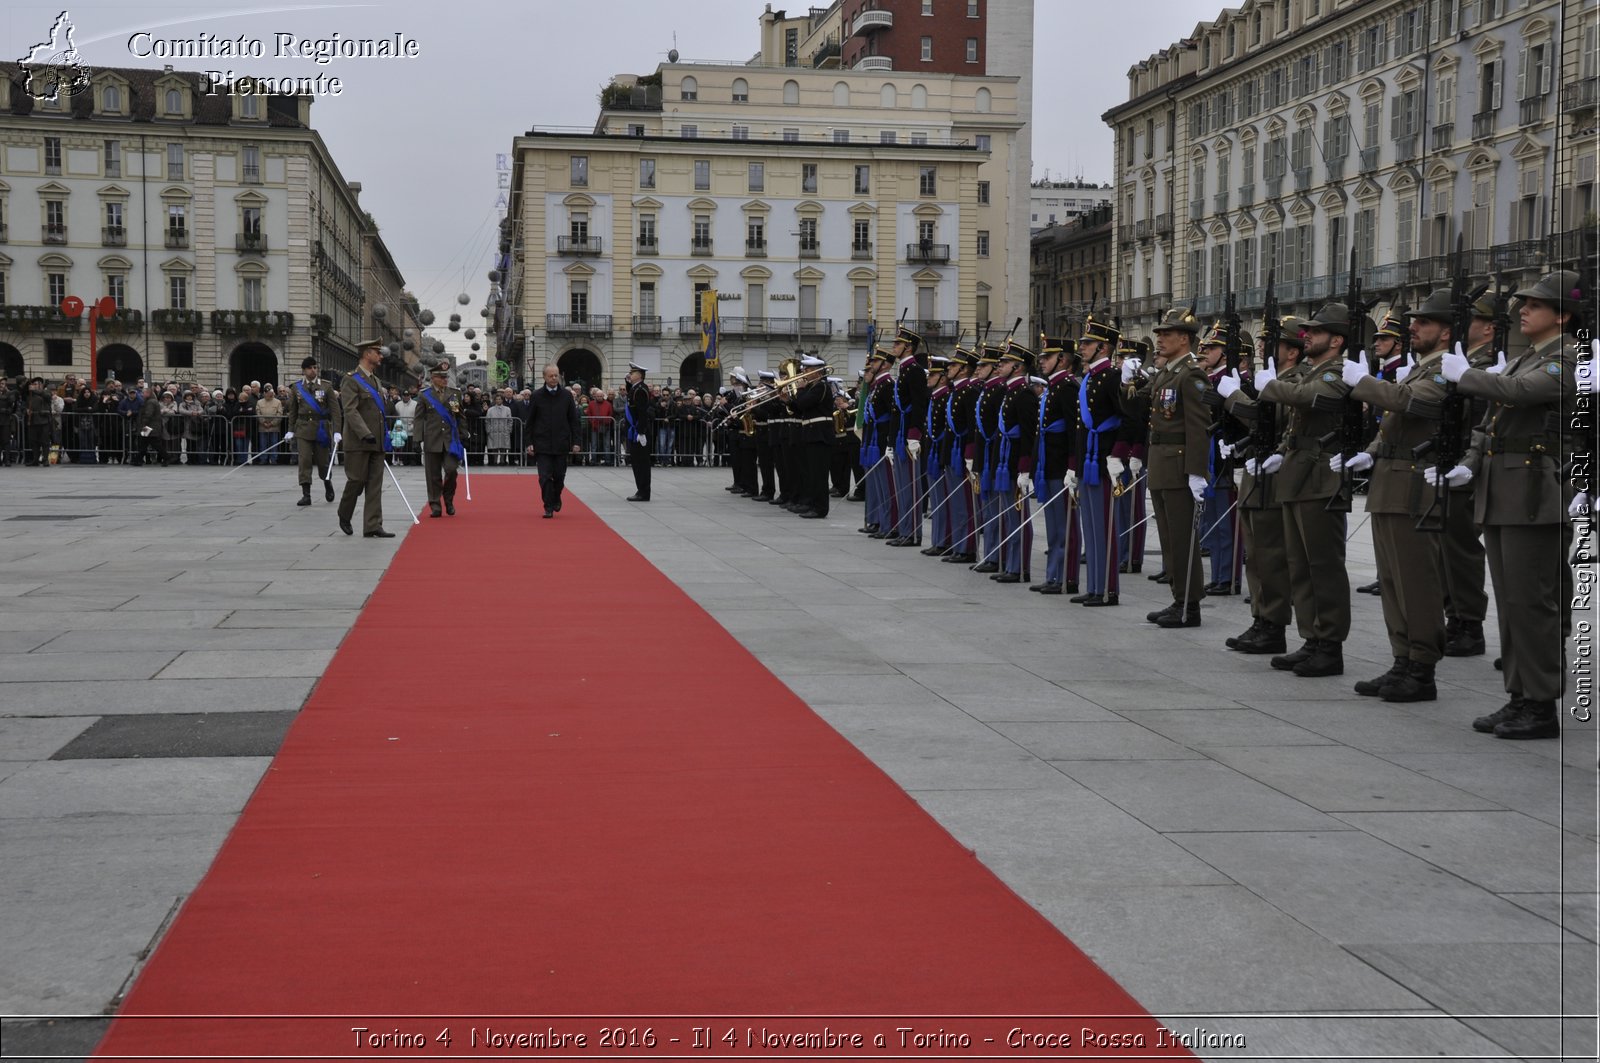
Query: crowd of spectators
193, 425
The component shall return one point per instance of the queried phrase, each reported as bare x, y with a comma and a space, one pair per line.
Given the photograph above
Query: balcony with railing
857, 328
928, 253
861, 250
1125, 233
54, 234
815, 327
755, 249
700, 246
252, 322
646, 245
1247, 195
578, 245
646, 325
1531, 110
874, 62
1302, 178
113, 236
1164, 224
1335, 170
170, 321
125, 322
1219, 203
871, 22
15, 318
250, 243
1369, 159
578, 324
1143, 229
688, 325
1274, 186
631, 98
935, 329
1580, 95
1197, 209
1483, 125
826, 57
1444, 135
810, 249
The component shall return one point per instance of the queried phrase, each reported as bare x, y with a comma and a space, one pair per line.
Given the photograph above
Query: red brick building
945, 36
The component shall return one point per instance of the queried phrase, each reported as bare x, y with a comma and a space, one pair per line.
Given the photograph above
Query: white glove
1225, 450
1072, 482
336, 437
1580, 505
1355, 371
1130, 366
888, 457
1499, 366
1454, 365
1134, 466
1267, 375
969, 466
640, 439
1197, 486
1404, 371
144, 431
1116, 467
1273, 463
1454, 478
914, 448
1229, 384
1024, 484
288, 436
1359, 462
1251, 466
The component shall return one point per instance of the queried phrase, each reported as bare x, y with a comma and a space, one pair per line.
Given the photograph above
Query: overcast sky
421, 134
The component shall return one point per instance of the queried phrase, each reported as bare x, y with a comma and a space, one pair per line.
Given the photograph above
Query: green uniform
1266, 553
1180, 441
363, 450
304, 421
1458, 556
1313, 537
1520, 501
1413, 596
433, 438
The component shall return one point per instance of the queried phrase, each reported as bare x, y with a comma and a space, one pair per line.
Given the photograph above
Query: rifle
1449, 441
1352, 429
1263, 416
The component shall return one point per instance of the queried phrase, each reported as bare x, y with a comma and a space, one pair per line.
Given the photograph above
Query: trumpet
843, 421
786, 388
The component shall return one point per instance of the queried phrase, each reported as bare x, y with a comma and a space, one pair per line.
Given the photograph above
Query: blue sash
383, 410
322, 415
870, 452
1091, 461
999, 474
1056, 427
935, 459
900, 440
455, 433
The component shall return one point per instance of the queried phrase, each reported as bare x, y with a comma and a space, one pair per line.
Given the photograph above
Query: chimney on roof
355, 191
167, 69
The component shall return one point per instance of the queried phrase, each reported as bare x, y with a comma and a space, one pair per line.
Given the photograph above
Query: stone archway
692, 373
252, 360
12, 364
580, 366
120, 361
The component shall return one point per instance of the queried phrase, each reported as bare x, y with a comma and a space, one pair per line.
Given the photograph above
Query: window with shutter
1406, 229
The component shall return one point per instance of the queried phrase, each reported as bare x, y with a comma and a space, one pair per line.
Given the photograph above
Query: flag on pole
872, 330
708, 328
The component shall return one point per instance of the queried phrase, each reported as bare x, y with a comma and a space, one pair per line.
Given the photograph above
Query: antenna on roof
672, 56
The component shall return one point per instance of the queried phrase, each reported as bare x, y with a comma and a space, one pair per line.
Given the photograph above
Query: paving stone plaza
1325, 875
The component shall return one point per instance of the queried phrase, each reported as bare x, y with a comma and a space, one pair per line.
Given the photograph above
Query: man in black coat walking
553, 431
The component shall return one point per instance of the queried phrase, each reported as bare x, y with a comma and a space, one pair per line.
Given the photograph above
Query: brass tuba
789, 372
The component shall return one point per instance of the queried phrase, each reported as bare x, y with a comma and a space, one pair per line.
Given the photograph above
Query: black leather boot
1181, 617
1534, 719
305, 495
1416, 685
1287, 662
1270, 639
1467, 640
1487, 724
1371, 688
1327, 659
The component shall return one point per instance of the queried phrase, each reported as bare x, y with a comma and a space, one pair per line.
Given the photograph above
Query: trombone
791, 380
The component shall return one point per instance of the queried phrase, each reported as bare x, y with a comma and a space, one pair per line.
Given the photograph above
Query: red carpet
562, 789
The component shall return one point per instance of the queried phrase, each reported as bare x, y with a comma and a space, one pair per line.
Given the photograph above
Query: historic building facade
220, 224
1277, 138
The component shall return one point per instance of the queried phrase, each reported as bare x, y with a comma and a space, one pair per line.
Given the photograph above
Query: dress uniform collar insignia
1099, 365
1015, 382
1057, 376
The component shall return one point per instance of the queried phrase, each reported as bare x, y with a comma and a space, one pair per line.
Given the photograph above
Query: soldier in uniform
932, 485
813, 409
885, 429
911, 401
1220, 521
436, 426
1389, 346
1180, 435
765, 457
641, 418
311, 410
1521, 500
1017, 421
1314, 537
1098, 420
1460, 558
742, 445
364, 411
986, 428
1412, 596
1126, 463
1266, 553
964, 389
871, 453
1054, 481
